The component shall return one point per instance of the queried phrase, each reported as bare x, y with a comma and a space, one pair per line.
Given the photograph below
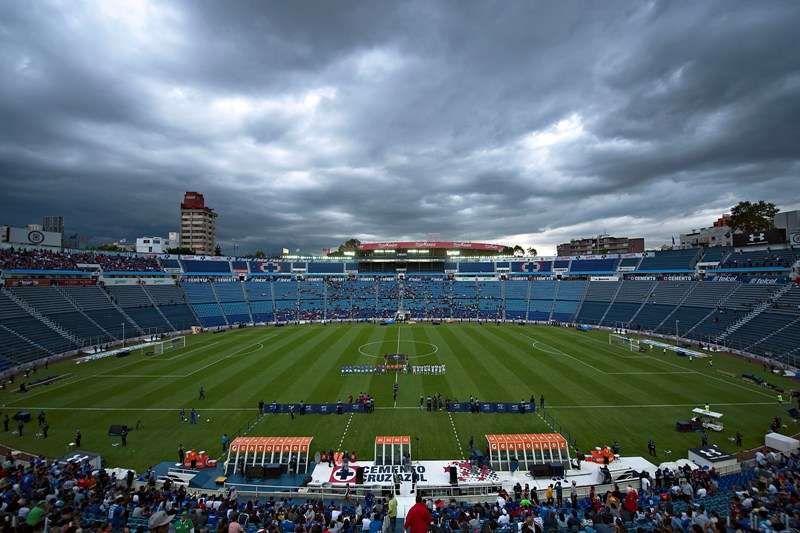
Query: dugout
390, 450
529, 449
289, 454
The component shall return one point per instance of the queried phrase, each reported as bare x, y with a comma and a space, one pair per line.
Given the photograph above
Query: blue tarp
492, 407
314, 408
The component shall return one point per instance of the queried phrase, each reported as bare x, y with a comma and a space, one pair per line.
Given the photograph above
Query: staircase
87, 317
644, 302
528, 299
216, 298
795, 322
247, 303
763, 306
555, 297
188, 304
613, 299
123, 313
26, 339
717, 306
155, 306
36, 314
683, 299
580, 304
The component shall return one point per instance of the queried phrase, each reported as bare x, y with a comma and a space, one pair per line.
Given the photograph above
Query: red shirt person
418, 518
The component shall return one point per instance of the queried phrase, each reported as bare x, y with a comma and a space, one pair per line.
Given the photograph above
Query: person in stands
418, 518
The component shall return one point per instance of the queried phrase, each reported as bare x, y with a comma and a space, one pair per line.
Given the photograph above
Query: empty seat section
598, 297
516, 296
782, 342
709, 294
631, 295
51, 303
716, 254
630, 262
87, 298
112, 321
205, 305
179, 315
166, 294
683, 319
200, 267
40, 334
789, 302
199, 292
129, 296
149, 319
236, 312
762, 258
593, 265
714, 325
670, 261
542, 297
758, 328
748, 296
650, 316
229, 291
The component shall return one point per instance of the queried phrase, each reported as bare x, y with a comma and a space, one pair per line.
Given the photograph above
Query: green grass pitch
596, 392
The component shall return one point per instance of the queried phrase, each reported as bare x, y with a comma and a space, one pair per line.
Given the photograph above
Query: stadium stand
597, 266
755, 499
660, 304
631, 296
670, 261
755, 317
598, 298
205, 267
138, 306
716, 254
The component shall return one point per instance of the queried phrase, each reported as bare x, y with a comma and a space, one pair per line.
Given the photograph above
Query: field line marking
346, 429
455, 434
188, 352
551, 406
228, 356
46, 389
560, 352
652, 373
157, 376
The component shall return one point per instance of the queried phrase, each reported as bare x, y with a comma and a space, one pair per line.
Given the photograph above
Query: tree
106, 248
349, 244
259, 254
750, 217
180, 250
532, 252
217, 250
518, 250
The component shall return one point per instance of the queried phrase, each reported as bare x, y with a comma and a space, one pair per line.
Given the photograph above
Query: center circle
393, 343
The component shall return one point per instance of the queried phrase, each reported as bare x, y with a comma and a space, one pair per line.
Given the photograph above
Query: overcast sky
305, 123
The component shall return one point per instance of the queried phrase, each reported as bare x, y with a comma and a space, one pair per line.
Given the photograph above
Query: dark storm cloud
307, 123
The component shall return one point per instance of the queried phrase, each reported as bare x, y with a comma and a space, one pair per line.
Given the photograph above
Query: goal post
173, 343
622, 340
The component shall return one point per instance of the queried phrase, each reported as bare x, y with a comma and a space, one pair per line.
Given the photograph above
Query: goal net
169, 344
621, 340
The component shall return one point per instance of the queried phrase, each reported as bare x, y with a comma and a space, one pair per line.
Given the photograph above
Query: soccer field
596, 392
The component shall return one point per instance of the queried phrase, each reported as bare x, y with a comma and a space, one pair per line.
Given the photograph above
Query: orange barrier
599, 456
201, 460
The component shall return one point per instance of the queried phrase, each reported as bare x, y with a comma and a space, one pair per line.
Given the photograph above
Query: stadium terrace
501, 392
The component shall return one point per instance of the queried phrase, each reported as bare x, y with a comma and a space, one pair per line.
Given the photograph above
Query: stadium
383, 267
262, 369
